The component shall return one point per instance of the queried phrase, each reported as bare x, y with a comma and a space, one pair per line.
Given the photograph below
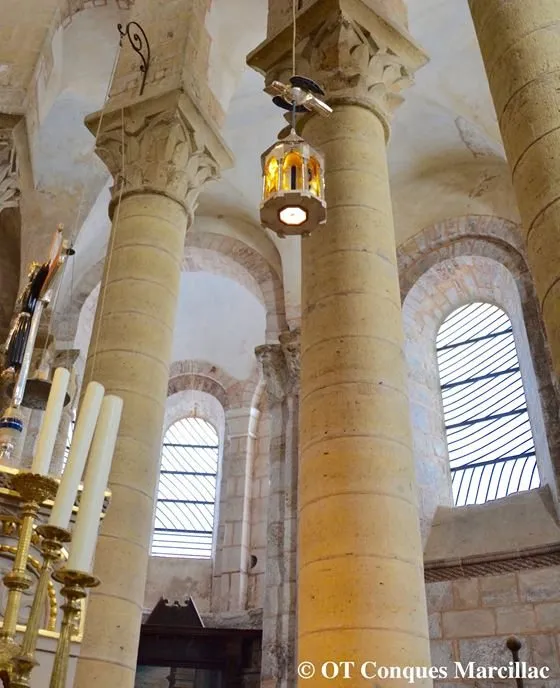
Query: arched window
489, 437
186, 497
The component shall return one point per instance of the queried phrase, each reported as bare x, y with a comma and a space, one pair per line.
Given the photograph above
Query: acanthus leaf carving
157, 151
348, 62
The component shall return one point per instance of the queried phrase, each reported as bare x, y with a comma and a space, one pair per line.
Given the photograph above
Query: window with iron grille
489, 437
186, 500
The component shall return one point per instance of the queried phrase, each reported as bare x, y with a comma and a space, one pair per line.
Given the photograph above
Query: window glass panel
489, 438
186, 500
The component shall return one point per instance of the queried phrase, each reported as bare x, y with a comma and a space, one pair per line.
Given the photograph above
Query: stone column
160, 152
361, 590
280, 366
521, 53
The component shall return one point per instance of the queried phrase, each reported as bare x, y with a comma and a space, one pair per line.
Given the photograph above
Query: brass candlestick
75, 584
24, 662
34, 490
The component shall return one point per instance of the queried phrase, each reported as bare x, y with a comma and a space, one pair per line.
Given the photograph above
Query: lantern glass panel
271, 177
292, 171
314, 177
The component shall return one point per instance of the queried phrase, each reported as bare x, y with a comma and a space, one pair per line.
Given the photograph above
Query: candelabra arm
75, 589
18, 580
53, 541
34, 490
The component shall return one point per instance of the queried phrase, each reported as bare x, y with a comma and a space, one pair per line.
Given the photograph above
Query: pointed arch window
489, 436
186, 500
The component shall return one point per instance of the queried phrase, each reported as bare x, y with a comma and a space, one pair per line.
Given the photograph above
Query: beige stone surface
522, 60
524, 520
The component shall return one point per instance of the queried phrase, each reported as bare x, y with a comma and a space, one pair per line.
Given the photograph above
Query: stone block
489, 651
442, 655
548, 616
540, 585
468, 623
516, 619
498, 591
439, 596
434, 624
466, 593
544, 653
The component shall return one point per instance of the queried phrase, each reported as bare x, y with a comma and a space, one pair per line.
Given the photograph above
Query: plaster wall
218, 321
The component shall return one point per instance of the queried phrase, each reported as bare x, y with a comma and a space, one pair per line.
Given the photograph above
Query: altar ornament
94, 439
42, 285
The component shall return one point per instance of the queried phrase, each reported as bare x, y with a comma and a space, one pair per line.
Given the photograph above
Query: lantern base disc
271, 208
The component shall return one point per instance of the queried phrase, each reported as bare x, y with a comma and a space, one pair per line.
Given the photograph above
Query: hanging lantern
293, 187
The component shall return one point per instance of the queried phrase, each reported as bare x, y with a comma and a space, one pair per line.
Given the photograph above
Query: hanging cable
115, 224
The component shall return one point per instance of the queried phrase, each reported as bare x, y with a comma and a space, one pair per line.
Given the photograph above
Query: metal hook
138, 41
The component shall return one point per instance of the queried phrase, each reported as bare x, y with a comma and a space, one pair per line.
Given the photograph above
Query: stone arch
258, 267
214, 253
431, 259
72, 8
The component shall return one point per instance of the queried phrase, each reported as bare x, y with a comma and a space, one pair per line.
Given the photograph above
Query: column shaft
360, 578
130, 354
521, 53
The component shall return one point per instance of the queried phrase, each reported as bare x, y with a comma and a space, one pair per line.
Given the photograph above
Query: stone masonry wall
471, 619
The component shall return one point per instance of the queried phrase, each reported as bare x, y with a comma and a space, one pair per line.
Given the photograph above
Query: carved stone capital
290, 343
275, 372
280, 366
9, 168
162, 145
354, 53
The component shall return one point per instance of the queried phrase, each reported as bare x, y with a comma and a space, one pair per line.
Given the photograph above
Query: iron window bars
489, 437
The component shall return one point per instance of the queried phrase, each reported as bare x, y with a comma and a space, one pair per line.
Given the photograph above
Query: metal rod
53, 541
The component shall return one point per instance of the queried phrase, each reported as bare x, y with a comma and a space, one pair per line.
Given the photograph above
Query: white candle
51, 421
85, 531
81, 442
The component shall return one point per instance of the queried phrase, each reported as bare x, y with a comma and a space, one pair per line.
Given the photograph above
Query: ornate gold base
75, 584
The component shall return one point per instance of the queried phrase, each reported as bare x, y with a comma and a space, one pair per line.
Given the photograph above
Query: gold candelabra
18, 659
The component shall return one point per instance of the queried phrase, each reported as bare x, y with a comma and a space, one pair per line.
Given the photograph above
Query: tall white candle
85, 531
51, 421
81, 442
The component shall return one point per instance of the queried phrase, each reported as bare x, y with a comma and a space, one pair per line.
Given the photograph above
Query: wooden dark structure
174, 636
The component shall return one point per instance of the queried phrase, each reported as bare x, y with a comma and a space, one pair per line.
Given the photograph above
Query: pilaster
280, 368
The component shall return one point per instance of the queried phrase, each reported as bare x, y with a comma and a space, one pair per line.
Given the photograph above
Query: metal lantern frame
293, 178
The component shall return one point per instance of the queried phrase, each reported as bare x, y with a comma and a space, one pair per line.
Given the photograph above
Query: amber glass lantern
293, 187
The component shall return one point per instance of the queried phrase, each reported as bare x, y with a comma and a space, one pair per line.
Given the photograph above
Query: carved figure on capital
280, 366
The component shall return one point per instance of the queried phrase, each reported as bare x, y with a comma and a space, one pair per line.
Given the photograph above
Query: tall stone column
160, 152
521, 53
360, 567
280, 366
